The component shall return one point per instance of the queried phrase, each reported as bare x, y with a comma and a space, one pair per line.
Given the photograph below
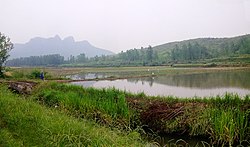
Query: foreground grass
222, 119
26, 123
225, 120
106, 106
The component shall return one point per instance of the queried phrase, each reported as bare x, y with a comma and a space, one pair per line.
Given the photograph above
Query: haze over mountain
200, 50
55, 45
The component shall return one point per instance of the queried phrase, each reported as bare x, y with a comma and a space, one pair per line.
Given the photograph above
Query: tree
81, 58
150, 54
5, 46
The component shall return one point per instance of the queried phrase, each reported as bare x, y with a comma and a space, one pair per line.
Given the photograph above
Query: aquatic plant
105, 105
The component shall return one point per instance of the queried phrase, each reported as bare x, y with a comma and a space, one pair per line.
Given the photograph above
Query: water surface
181, 85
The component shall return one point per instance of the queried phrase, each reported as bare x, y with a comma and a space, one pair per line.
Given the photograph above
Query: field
59, 73
115, 118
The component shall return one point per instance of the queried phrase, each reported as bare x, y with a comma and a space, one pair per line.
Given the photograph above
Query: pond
180, 85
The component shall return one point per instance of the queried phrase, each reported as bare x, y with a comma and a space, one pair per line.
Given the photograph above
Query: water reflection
186, 85
87, 76
202, 80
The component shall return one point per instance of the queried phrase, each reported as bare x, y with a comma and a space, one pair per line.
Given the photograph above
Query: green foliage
29, 74
17, 75
225, 119
204, 48
189, 52
81, 58
229, 125
229, 119
5, 47
106, 105
26, 123
45, 60
35, 74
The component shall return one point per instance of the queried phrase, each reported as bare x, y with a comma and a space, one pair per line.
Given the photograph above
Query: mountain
55, 45
234, 50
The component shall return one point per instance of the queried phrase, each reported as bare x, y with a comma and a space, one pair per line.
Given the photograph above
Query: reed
106, 105
229, 119
223, 118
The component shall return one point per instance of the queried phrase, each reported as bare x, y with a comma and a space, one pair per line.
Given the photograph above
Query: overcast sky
119, 25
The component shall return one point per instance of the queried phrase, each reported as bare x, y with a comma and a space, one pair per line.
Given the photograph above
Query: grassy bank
24, 122
106, 106
225, 120
56, 111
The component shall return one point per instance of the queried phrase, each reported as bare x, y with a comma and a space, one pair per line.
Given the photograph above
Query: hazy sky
119, 25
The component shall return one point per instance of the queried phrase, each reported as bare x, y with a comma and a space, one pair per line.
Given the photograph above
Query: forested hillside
202, 50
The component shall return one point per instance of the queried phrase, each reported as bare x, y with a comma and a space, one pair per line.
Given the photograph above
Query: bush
35, 74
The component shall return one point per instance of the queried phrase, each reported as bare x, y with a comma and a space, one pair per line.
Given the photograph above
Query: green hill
204, 48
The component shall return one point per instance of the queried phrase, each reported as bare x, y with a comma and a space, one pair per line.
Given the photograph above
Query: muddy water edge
216, 121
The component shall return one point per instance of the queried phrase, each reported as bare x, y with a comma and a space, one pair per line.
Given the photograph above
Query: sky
119, 25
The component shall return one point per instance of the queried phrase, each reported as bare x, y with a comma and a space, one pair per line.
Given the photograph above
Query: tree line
189, 52
45, 60
143, 56
185, 52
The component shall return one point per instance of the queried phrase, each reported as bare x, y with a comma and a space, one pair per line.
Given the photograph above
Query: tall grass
106, 105
26, 123
229, 126
32, 73
224, 118
230, 119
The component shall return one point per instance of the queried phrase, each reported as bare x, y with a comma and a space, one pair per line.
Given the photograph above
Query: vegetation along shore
66, 114
51, 111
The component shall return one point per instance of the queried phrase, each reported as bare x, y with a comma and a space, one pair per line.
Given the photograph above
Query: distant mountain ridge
206, 51
55, 45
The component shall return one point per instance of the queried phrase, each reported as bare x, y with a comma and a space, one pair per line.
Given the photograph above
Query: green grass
106, 106
230, 119
223, 119
229, 126
26, 123
53, 108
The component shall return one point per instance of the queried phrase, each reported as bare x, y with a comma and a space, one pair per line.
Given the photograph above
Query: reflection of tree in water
96, 75
239, 79
83, 76
134, 81
150, 80
78, 77
210, 80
